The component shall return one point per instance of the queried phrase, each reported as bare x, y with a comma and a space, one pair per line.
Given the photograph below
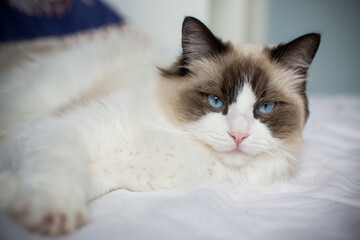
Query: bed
321, 202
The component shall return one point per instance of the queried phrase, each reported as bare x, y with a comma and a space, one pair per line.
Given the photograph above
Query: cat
107, 113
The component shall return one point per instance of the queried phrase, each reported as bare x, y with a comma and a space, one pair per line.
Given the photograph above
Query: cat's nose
238, 137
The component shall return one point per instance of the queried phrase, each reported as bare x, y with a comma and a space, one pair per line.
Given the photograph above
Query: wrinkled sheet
321, 202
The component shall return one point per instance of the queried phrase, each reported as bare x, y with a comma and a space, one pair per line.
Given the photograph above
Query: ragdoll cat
99, 116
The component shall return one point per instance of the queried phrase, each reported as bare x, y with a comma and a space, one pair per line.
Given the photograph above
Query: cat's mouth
238, 151
244, 150
232, 149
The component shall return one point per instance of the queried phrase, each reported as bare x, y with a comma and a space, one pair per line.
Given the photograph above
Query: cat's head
241, 101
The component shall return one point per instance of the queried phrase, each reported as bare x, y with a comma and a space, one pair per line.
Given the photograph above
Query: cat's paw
49, 215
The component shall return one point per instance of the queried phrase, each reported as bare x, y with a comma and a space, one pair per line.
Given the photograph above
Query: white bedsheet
322, 202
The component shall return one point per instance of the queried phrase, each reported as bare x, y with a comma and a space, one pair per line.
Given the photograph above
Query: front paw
49, 214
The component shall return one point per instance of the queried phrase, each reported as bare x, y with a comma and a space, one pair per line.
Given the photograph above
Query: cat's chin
236, 157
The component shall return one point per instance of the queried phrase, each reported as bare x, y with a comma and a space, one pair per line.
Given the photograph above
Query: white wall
162, 19
240, 21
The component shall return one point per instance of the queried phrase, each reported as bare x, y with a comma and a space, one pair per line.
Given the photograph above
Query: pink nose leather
238, 137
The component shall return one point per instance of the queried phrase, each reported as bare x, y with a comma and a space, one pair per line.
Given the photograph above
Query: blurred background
335, 69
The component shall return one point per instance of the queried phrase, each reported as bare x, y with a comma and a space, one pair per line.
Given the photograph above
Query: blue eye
267, 107
215, 101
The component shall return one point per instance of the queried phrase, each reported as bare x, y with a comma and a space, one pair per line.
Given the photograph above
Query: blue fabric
15, 26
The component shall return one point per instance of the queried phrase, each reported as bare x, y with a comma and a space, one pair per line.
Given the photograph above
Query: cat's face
240, 101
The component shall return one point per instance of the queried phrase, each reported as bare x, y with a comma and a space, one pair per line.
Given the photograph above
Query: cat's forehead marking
245, 101
245, 70
246, 97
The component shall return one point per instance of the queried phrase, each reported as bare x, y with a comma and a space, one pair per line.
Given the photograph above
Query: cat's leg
50, 161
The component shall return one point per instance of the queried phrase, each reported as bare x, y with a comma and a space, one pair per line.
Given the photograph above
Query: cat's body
116, 121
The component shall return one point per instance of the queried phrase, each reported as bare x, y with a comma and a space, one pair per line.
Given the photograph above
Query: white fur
121, 140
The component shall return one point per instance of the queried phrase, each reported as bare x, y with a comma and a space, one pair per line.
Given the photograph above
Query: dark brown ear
297, 54
197, 42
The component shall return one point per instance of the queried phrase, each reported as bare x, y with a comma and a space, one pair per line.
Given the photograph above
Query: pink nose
238, 137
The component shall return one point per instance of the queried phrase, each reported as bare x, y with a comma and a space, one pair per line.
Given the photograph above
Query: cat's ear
297, 54
198, 41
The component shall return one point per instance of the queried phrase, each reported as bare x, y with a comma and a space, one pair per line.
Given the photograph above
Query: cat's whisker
277, 151
289, 156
